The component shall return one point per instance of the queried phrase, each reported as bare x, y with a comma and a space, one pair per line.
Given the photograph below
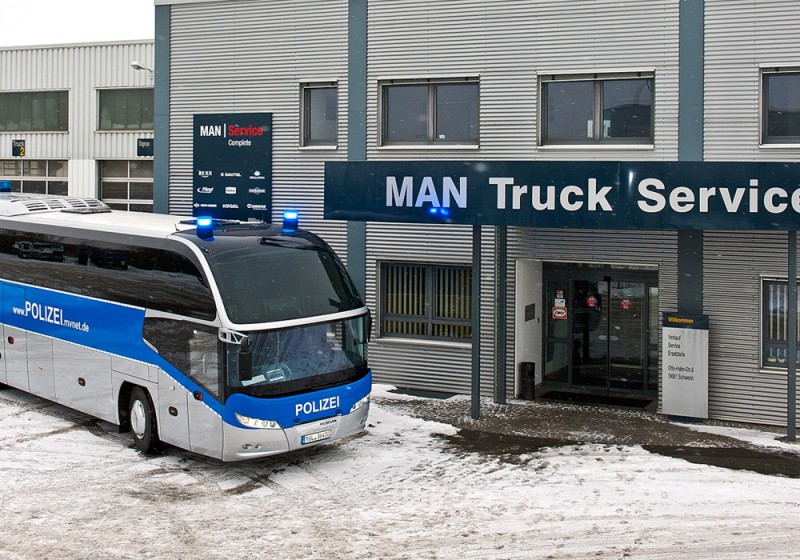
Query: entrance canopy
568, 194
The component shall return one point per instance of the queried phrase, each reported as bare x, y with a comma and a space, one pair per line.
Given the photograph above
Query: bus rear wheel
142, 417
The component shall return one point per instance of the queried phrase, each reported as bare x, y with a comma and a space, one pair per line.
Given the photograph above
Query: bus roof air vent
18, 204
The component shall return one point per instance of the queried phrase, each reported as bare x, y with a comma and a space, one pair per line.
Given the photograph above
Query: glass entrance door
601, 331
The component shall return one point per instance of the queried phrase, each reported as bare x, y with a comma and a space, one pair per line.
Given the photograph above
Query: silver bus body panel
16, 357
83, 380
40, 366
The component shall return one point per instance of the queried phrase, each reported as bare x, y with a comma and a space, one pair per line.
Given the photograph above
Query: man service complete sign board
585, 194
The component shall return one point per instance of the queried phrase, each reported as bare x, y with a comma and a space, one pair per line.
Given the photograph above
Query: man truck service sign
568, 194
233, 166
684, 365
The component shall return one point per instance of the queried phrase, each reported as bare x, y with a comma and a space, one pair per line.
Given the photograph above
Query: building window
127, 185
422, 300
320, 114
34, 111
35, 176
781, 106
126, 109
430, 113
580, 110
774, 323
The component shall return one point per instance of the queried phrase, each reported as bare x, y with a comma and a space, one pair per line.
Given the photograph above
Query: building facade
78, 119
407, 81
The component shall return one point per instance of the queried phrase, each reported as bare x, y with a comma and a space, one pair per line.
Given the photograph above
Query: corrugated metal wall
81, 69
507, 45
742, 36
734, 264
252, 56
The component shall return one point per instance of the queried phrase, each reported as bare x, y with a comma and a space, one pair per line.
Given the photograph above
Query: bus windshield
277, 278
301, 358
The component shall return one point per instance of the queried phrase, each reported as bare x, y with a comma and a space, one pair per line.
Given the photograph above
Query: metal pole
501, 279
791, 339
476, 322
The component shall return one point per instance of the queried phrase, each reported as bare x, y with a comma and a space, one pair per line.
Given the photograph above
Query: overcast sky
49, 22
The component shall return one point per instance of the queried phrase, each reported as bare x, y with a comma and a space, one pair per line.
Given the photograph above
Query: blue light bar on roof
290, 220
205, 228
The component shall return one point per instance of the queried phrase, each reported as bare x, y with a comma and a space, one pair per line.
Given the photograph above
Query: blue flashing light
436, 211
205, 228
290, 220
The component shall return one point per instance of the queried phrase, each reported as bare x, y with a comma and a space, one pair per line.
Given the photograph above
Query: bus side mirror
245, 360
368, 326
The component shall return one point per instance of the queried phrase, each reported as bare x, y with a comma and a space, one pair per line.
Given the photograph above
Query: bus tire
142, 416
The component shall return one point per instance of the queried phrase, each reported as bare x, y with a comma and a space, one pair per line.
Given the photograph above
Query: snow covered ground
70, 488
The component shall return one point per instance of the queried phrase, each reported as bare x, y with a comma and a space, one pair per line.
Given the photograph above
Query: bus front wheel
142, 416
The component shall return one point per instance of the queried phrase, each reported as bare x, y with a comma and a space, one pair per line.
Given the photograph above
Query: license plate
313, 438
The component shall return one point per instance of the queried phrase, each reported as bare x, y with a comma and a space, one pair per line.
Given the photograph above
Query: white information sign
684, 365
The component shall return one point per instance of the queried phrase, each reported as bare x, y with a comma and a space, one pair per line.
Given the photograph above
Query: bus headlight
360, 403
257, 423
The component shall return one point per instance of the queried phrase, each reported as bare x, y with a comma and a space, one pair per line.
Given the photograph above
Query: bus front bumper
241, 444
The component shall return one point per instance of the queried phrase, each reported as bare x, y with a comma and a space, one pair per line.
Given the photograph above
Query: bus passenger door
205, 424
206, 429
173, 418
15, 355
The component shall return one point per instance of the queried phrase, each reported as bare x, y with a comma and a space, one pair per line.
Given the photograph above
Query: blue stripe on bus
117, 329
299, 409
107, 327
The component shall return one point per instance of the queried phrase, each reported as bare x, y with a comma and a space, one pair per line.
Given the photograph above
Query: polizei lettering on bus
319, 405
604, 195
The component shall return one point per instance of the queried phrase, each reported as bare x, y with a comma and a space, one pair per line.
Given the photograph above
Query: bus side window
193, 349
119, 272
179, 287
43, 260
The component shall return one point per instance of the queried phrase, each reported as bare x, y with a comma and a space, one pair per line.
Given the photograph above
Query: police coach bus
234, 340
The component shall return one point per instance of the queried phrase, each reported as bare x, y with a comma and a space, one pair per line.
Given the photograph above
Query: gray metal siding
252, 56
741, 37
735, 262
508, 45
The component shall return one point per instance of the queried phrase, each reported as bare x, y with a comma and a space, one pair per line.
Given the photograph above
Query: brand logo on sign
248, 130
257, 190
230, 190
205, 190
205, 174
211, 130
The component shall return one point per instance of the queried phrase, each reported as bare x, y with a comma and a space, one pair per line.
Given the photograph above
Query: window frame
53, 181
128, 125
431, 140
431, 294
764, 137
33, 97
307, 139
766, 344
598, 81
129, 203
